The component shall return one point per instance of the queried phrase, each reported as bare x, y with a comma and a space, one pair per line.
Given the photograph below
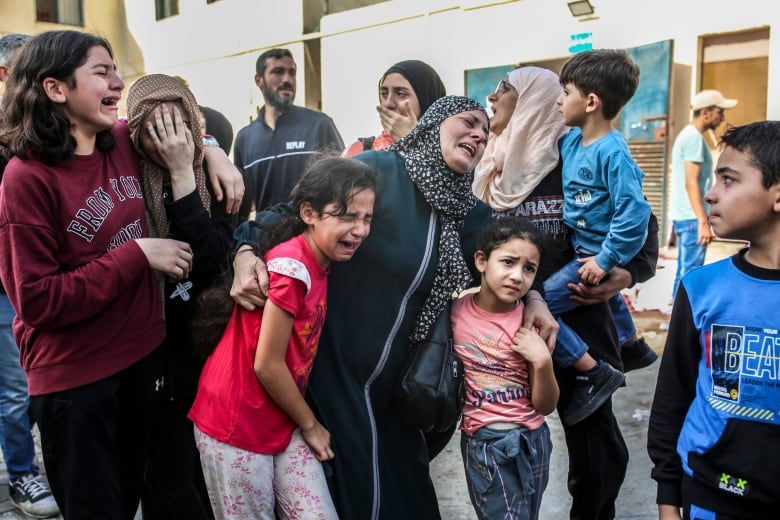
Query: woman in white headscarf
523, 144
520, 174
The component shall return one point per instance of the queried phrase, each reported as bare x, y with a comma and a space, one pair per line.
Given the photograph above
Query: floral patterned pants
247, 485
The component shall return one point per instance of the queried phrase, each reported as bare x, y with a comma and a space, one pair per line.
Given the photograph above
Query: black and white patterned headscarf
449, 193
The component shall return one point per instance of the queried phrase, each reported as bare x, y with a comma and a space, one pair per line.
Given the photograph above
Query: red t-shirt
381, 142
231, 405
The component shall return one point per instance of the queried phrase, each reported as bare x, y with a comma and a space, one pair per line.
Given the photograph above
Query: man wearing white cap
691, 178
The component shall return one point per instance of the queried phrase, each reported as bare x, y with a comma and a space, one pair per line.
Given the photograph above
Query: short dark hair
698, 111
608, 73
271, 53
8, 45
761, 142
503, 229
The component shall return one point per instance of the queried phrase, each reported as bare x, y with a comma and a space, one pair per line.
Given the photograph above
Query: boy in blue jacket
604, 206
714, 425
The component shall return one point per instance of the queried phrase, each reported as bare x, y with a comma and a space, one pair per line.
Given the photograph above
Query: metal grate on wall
651, 158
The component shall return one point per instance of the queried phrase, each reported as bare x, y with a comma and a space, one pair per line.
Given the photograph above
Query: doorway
737, 64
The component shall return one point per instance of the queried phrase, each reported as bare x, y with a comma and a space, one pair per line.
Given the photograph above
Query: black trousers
598, 455
174, 485
94, 440
598, 458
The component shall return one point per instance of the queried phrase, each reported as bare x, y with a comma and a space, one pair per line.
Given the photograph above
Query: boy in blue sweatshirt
604, 206
714, 425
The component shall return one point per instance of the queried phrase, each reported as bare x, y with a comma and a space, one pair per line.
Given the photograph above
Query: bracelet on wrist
535, 298
245, 250
210, 141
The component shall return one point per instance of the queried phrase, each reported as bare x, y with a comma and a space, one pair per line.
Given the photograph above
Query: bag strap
368, 142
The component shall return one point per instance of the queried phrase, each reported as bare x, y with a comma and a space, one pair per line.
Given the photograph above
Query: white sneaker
32, 495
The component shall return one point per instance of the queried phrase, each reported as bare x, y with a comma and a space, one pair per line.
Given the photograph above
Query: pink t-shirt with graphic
497, 385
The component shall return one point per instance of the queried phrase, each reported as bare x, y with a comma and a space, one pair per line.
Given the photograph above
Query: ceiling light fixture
581, 8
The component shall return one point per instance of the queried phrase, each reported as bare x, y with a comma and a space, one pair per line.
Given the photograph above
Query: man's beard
281, 103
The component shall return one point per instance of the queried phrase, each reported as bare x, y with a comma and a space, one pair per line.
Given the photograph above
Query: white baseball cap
711, 98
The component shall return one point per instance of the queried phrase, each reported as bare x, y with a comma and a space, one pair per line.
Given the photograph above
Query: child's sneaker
32, 495
636, 356
591, 390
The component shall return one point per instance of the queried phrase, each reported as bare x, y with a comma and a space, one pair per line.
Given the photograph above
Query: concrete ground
631, 404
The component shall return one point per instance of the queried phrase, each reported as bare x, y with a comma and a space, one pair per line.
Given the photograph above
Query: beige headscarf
146, 94
516, 161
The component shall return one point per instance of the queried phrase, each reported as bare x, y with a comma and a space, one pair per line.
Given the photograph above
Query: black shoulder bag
431, 389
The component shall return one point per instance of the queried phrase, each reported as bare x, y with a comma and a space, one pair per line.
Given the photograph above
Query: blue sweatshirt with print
603, 200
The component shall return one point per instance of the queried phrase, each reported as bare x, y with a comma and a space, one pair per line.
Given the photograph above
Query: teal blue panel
480, 83
648, 110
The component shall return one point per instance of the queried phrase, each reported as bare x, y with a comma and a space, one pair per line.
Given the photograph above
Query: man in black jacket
273, 151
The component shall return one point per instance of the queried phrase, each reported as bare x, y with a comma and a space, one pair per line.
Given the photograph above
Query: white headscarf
516, 161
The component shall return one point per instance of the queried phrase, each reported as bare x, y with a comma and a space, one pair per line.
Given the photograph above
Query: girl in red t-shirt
260, 443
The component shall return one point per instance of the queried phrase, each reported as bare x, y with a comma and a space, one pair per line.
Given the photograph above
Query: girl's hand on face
318, 439
173, 140
171, 257
397, 124
531, 346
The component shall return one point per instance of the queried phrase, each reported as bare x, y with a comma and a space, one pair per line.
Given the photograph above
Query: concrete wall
454, 36
214, 46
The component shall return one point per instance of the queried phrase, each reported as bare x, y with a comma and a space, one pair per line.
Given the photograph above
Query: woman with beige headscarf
163, 118
520, 174
524, 132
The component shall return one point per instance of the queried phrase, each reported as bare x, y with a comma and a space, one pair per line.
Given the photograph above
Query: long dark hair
33, 125
332, 180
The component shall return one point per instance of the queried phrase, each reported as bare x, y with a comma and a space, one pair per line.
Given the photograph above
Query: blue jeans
16, 440
507, 471
689, 254
622, 317
570, 347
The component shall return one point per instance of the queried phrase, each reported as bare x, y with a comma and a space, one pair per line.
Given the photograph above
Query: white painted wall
215, 46
453, 36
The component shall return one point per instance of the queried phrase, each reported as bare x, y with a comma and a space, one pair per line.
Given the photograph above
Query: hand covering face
516, 161
425, 82
449, 193
145, 95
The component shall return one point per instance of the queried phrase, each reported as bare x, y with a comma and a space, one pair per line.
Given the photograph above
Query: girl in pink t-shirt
510, 385
259, 442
